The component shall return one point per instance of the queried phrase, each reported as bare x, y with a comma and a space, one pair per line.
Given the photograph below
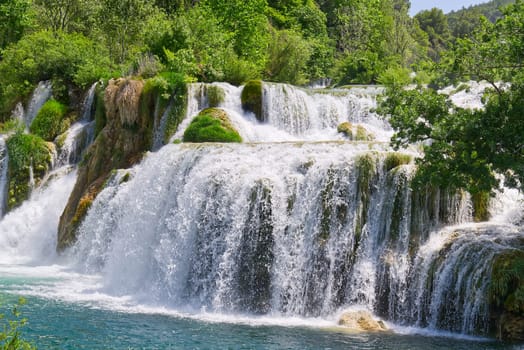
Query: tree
122, 23
435, 24
466, 148
14, 19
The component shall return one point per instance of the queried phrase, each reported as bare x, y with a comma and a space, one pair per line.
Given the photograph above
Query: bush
10, 332
61, 57
25, 151
211, 125
395, 77
49, 122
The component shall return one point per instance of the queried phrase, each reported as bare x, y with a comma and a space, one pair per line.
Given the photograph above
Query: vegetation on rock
252, 98
211, 125
26, 153
50, 122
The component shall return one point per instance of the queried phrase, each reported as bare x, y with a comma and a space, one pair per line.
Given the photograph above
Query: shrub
211, 125
49, 122
25, 151
10, 330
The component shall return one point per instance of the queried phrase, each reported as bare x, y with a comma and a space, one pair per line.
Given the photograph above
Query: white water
294, 231
28, 233
87, 104
79, 136
294, 114
41, 94
4, 167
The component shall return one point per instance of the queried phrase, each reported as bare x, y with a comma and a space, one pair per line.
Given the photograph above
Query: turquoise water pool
91, 321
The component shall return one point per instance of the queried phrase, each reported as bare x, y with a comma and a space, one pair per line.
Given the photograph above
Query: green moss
50, 122
211, 125
507, 282
346, 128
100, 109
25, 151
252, 98
480, 206
215, 95
363, 135
396, 159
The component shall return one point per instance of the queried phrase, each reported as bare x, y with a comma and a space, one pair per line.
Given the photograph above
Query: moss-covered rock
252, 98
50, 120
480, 202
26, 152
355, 132
346, 128
127, 120
211, 125
395, 159
507, 295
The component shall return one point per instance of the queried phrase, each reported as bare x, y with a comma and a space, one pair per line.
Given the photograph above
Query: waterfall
321, 226
28, 233
87, 104
160, 124
292, 113
313, 113
4, 167
73, 143
41, 94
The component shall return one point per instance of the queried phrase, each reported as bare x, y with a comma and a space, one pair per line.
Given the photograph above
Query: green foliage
245, 20
465, 148
435, 24
44, 56
49, 122
12, 125
507, 281
289, 55
359, 67
395, 159
10, 337
251, 98
25, 151
14, 20
395, 77
211, 125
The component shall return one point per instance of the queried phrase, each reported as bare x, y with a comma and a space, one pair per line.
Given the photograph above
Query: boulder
361, 320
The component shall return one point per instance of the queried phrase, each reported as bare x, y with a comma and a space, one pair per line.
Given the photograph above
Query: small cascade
18, 113
321, 227
160, 125
31, 178
316, 113
451, 277
4, 167
28, 233
41, 94
292, 113
88, 105
72, 145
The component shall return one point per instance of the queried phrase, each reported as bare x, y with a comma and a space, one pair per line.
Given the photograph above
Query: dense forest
75, 43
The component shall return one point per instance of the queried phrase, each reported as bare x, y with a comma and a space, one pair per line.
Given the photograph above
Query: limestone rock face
126, 134
362, 321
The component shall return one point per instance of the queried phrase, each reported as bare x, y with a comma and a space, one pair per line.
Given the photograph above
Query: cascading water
313, 231
28, 233
280, 225
4, 167
80, 135
41, 94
